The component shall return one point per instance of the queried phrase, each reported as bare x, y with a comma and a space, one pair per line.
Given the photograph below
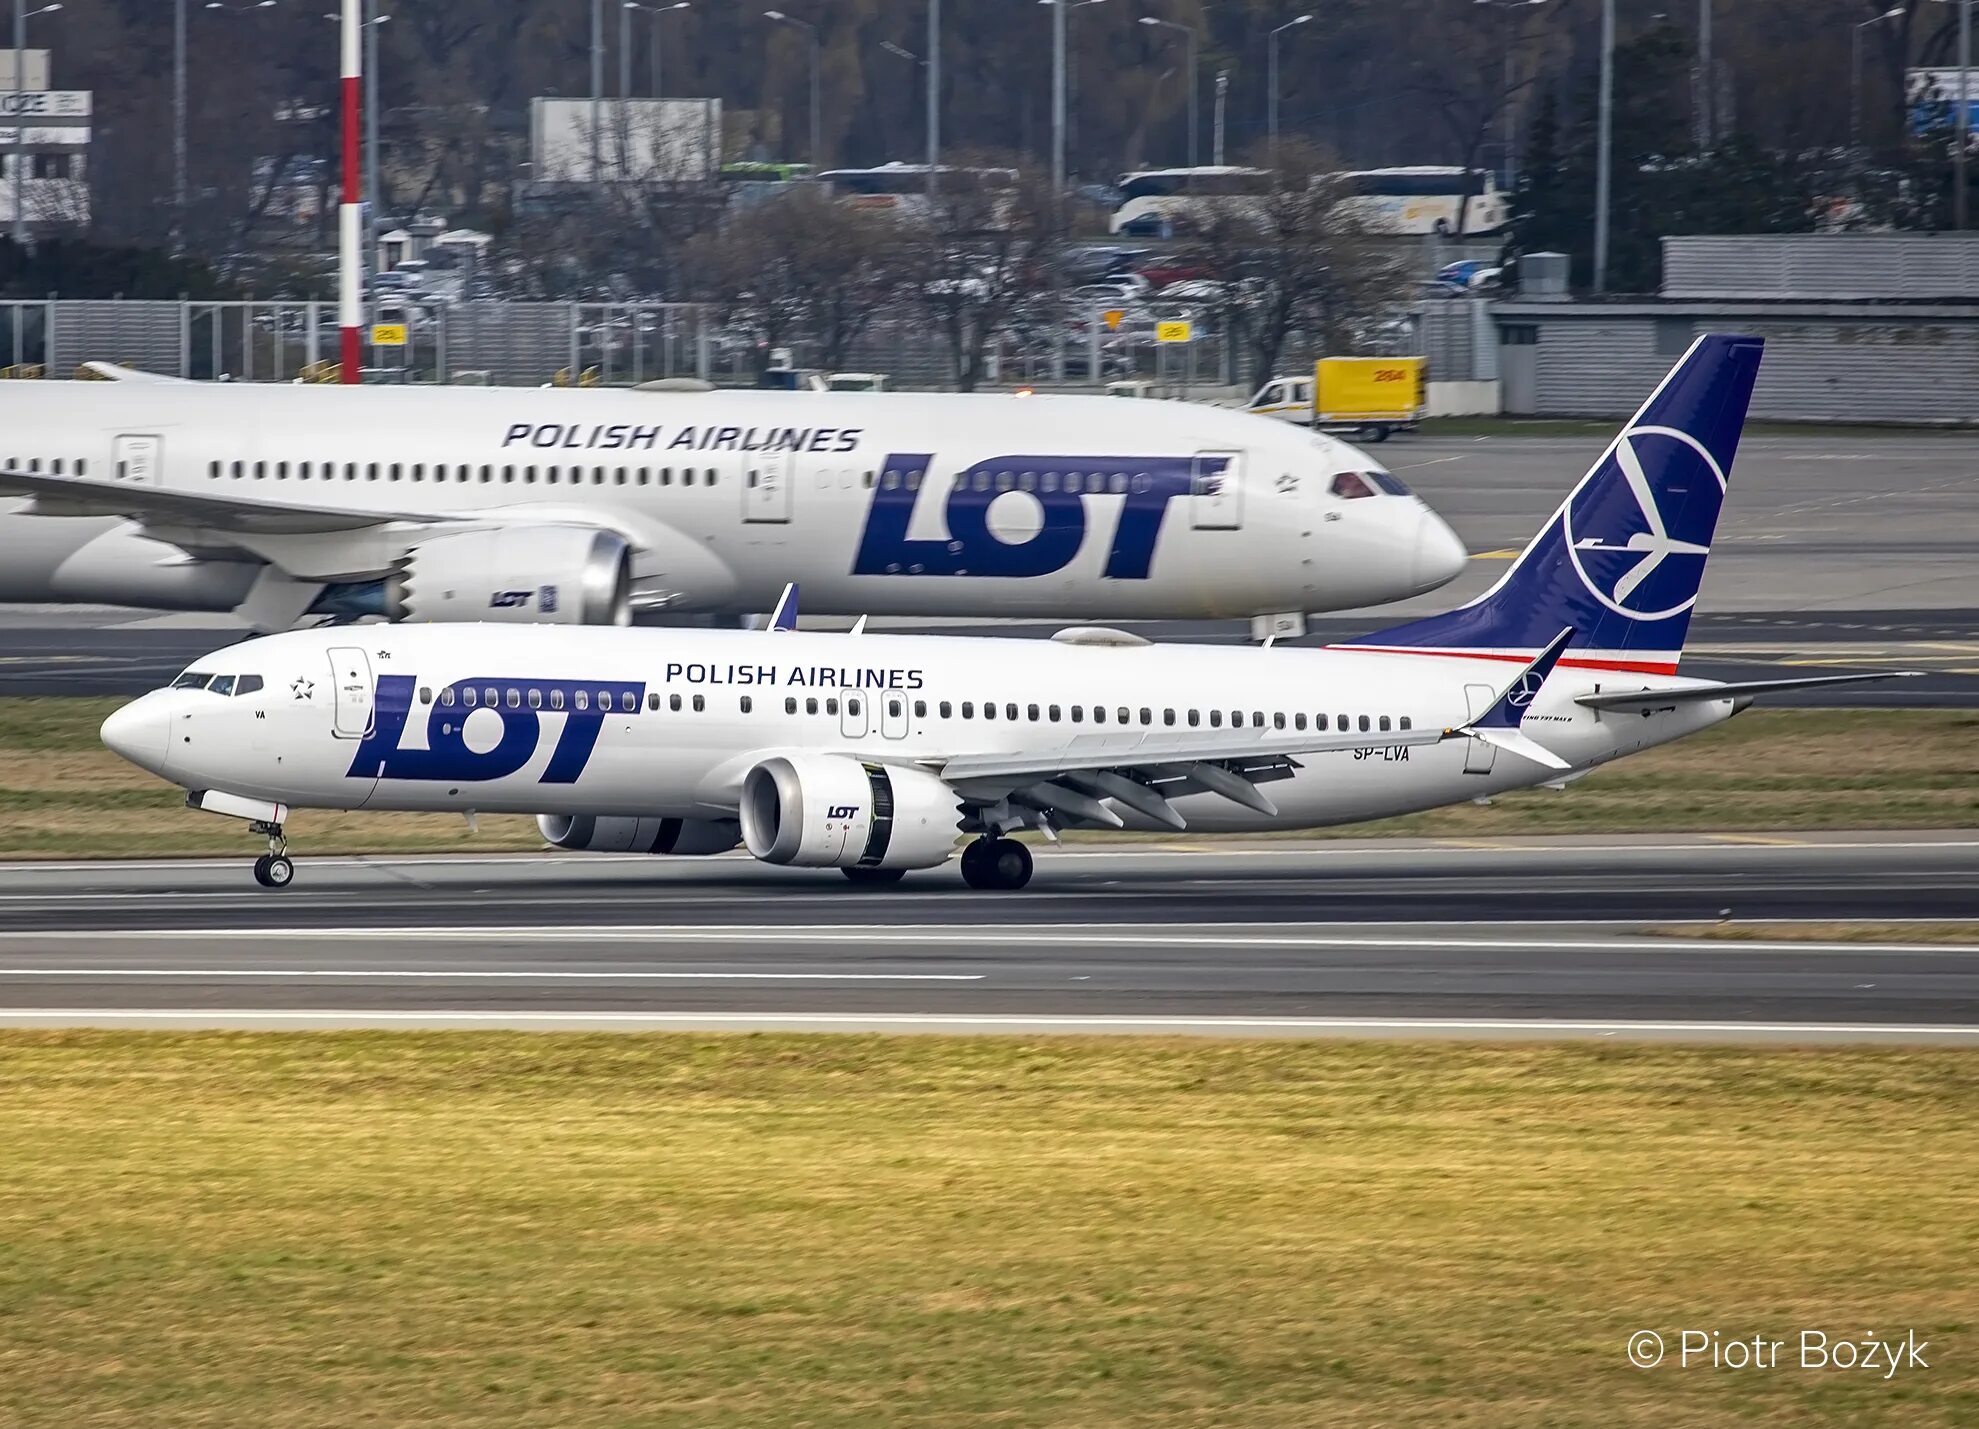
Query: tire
976, 871
280, 872
874, 877
261, 869
1009, 864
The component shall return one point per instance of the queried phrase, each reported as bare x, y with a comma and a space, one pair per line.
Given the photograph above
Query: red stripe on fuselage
1631, 667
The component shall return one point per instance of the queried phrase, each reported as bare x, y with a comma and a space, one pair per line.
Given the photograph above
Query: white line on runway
1003, 1023
477, 975
1055, 935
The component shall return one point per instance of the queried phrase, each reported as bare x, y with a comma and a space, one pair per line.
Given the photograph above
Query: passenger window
1407, 723
1298, 721
629, 702
1257, 719
968, 709
831, 705
989, 709
1363, 724
1278, 720
1384, 724
248, 685
1195, 719
947, 710
556, 699
1216, 719
425, 695
1147, 715
1099, 714
1031, 712
811, 706
1009, 711
747, 704
920, 709
1078, 714
673, 703
852, 706
1168, 716
1053, 713
580, 700
653, 702
535, 699
514, 699
470, 697
700, 703
1121, 714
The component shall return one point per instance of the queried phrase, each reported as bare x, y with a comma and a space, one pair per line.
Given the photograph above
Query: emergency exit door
350, 685
139, 459
766, 483
1216, 496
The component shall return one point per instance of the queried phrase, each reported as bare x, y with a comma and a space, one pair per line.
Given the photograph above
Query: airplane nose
1440, 553
140, 732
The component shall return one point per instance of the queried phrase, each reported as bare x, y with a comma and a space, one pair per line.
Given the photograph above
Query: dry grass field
63, 795
476, 1229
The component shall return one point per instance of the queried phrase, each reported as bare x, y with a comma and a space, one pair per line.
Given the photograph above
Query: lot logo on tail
1064, 489
1639, 544
497, 735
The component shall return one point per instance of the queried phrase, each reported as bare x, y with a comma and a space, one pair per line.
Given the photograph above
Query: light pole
1152, 22
1511, 141
1271, 75
21, 16
901, 52
1855, 79
654, 14
1706, 125
1604, 156
1222, 93
1061, 82
179, 109
811, 34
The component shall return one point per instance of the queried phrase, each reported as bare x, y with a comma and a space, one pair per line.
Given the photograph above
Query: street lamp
810, 33
655, 13
1271, 52
1060, 83
1604, 155
21, 16
1964, 112
1855, 78
1154, 23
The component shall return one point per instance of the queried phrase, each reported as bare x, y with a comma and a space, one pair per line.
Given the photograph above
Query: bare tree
980, 255
1296, 261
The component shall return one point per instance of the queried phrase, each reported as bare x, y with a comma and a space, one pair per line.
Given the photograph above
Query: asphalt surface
1836, 552
1497, 938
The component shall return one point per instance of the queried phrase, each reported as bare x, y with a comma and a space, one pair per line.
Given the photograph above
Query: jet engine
685, 837
834, 811
544, 575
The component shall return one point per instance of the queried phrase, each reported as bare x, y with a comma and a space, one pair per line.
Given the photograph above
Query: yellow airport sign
1172, 332
1111, 317
388, 334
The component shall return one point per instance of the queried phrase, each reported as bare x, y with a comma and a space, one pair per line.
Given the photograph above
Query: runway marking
998, 1022
1506, 555
1056, 935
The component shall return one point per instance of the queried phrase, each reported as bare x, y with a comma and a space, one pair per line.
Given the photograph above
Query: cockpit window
247, 685
1348, 486
1389, 483
222, 685
192, 680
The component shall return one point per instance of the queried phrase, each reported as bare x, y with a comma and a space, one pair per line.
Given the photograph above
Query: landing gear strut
996, 863
273, 869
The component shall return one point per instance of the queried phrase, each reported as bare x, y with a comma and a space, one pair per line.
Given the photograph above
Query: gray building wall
1824, 267
1824, 362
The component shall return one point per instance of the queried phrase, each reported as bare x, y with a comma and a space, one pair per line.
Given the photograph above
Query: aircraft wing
92, 496
1645, 701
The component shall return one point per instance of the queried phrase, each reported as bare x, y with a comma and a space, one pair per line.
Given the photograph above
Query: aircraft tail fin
1622, 558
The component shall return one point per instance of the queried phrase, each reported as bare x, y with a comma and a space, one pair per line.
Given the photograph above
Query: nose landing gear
996, 864
274, 869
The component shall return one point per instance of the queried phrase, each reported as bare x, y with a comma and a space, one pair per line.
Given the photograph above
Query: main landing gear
273, 869
996, 863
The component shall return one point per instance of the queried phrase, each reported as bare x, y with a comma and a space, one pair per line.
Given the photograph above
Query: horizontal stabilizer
1526, 747
1695, 694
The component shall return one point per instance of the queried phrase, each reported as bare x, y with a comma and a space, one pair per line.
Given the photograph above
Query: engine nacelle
544, 575
834, 811
683, 837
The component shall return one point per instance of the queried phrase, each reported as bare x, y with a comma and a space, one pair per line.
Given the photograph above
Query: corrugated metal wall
1882, 367
137, 334
1824, 267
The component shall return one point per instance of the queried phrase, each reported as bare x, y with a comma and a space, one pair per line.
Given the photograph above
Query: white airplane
880, 754
533, 505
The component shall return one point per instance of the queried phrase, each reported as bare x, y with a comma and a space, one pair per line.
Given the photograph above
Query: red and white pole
350, 246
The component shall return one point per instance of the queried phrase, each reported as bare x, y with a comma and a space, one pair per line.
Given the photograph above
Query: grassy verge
1964, 934
63, 795
534, 1230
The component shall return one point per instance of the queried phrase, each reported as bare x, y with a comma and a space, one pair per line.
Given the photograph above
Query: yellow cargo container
1370, 396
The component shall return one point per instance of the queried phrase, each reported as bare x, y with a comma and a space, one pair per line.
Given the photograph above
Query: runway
1527, 938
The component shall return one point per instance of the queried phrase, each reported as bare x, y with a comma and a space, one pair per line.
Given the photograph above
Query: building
44, 146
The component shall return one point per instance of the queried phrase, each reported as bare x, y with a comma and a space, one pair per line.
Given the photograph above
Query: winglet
784, 617
1500, 725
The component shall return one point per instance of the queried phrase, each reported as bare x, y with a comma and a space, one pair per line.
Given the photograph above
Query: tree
1295, 263
979, 257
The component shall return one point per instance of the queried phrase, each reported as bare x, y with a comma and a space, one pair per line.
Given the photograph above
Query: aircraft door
766, 483
350, 682
1216, 491
893, 714
139, 459
1478, 755
852, 715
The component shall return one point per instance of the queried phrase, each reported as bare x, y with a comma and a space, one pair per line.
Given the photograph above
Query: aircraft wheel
874, 877
273, 870
999, 864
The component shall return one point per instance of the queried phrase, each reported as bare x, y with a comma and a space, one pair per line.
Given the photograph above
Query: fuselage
666, 723
895, 504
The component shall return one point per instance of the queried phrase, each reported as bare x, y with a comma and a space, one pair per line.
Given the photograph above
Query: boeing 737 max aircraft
533, 505
878, 754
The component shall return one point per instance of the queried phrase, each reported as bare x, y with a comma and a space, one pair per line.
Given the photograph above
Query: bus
903, 188
1425, 199
1153, 202
1445, 199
